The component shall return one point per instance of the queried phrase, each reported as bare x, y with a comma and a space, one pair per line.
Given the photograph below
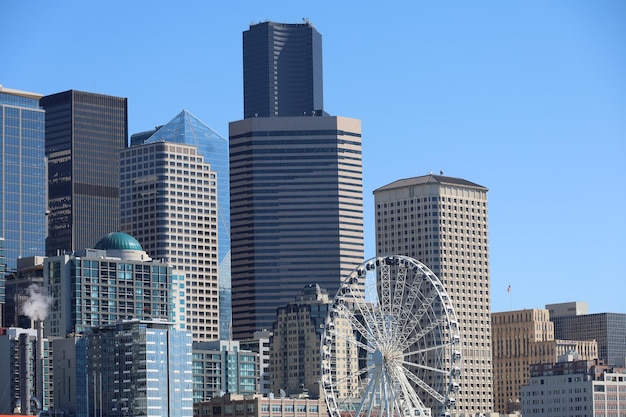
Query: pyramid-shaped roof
186, 128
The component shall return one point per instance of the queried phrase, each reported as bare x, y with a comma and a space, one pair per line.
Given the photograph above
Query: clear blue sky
527, 98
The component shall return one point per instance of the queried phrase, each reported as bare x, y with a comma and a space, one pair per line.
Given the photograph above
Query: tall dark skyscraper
282, 70
84, 135
296, 182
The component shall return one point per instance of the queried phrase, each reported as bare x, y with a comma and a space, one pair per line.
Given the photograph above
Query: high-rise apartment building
116, 280
169, 202
571, 321
282, 70
522, 338
296, 211
22, 177
443, 222
84, 135
139, 368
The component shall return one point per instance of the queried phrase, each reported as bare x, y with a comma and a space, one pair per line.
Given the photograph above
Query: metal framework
391, 345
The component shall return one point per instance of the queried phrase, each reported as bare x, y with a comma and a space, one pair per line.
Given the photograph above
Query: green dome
119, 241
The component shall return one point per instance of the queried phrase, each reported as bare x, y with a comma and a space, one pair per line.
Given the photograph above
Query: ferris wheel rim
383, 328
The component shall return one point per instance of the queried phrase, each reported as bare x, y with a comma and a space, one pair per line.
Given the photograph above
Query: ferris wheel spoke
408, 394
369, 396
427, 388
414, 288
370, 318
438, 322
399, 296
427, 368
352, 341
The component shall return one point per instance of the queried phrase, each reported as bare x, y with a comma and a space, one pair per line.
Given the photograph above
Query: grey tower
282, 70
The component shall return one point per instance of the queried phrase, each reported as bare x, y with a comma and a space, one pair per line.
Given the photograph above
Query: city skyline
526, 99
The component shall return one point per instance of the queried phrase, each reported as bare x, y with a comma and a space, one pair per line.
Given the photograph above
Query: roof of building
430, 178
119, 241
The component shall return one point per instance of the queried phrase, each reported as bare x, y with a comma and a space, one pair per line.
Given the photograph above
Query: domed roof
119, 241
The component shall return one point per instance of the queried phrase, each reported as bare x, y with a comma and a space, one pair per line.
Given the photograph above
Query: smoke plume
36, 307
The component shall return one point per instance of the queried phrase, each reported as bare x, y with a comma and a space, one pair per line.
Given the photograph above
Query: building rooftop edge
430, 178
20, 93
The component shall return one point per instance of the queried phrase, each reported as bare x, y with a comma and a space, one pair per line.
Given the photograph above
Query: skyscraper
187, 129
84, 134
22, 177
295, 179
296, 211
169, 201
442, 222
282, 70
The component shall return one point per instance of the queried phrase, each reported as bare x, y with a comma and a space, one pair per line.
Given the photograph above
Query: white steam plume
36, 307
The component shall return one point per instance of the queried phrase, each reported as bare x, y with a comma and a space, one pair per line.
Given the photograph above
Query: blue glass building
139, 368
187, 129
22, 176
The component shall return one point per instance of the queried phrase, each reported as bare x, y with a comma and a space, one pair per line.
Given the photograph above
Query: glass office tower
187, 129
282, 70
84, 134
22, 176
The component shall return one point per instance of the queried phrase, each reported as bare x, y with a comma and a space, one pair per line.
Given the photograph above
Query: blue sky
527, 98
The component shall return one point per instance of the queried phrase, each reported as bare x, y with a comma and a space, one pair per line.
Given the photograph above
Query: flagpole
510, 302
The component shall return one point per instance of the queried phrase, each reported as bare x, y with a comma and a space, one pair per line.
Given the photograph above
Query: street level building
296, 211
22, 179
260, 406
84, 135
169, 202
443, 222
574, 388
282, 70
116, 280
571, 321
521, 338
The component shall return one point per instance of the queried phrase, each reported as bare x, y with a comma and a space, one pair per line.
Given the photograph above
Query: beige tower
442, 222
295, 346
169, 204
522, 338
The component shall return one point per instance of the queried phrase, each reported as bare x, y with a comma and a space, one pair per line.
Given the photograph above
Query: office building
22, 178
295, 344
574, 388
608, 329
116, 280
139, 368
221, 367
187, 129
84, 135
296, 211
25, 372
260, 344
260, 406
521, 338
71, 376
282, 70
169, 202
443, 222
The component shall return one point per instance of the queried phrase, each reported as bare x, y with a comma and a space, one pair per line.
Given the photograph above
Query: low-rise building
574, 388
231, 405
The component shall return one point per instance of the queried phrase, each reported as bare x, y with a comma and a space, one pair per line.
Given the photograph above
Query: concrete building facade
169, 203
575, 388
260, 406
521, 338
443, 222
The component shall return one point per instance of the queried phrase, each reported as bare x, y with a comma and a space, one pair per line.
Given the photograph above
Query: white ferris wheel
391, 344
